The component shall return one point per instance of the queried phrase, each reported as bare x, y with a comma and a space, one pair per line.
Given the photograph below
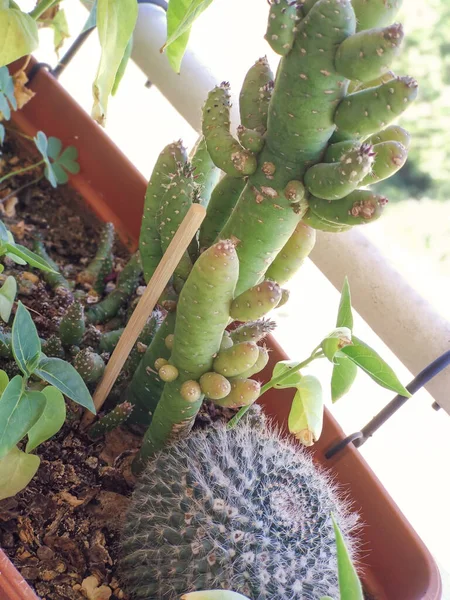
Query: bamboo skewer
147, 303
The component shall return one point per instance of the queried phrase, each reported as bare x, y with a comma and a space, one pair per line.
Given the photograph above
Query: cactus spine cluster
311, 141
254, 517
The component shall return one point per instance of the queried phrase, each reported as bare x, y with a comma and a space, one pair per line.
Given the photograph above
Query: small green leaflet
25, 341
349, 585
19, 34
115, 25
8, 293
5, 346
122, 67
4, 237
19, 411
92, 18
181, 15
305, 419
283, 367
28, 257
62, 161
63, 376
345, 317
370, 362
2, 134
4, 380
17, 469
7, 97
51, 420
344, 374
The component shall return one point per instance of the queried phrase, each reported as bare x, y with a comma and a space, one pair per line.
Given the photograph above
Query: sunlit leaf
4, 380
369, 361
17, 469
19, 411
181, 14
51, 420
29, 257
345, 316
282, 368
115, 25
305, 419
19, 35
344, 374
8, 293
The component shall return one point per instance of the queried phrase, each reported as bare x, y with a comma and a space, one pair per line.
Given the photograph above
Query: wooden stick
144, 309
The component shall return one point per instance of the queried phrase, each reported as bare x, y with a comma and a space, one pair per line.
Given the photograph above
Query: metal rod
360, 437
71, 52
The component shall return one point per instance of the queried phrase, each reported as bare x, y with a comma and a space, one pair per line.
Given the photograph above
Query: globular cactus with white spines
241, 510
311, 141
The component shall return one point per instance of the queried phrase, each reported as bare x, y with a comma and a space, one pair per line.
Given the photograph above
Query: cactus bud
72, 327
215, 386
243, 393
169, 341
89, 365
237, 359
284, 297
190, 391
335, 341
168, 373
226, 342
160, 362
261, 362
252, 331
256, 302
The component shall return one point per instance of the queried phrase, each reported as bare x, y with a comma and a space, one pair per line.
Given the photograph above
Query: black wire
359, 438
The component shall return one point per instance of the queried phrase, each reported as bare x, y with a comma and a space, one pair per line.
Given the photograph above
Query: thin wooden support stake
147, 303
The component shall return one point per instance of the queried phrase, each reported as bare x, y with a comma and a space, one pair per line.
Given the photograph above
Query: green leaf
29, 257
62, 161
18, 35
283, 366
2, 134
7, 97
335, 341
370, 362
115, 24
25, 340
4, 237
345, 316
349, 584
51, 421
19, 411
60, 29
305, 419
344, 374
122, 67
63, 376
17, 469
4, 380
181, 15
92, 18
8, 293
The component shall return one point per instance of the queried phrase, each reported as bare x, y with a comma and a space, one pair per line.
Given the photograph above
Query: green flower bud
335, 341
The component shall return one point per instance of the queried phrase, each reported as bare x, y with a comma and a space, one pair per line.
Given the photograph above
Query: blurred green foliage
426, 57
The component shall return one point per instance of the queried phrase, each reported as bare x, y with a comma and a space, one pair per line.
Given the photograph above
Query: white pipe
405, 321
390, 306
186, 91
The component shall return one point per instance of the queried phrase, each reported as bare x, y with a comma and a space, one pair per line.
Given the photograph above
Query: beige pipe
397, 313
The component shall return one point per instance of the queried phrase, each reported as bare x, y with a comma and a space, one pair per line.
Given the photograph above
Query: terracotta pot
396, 564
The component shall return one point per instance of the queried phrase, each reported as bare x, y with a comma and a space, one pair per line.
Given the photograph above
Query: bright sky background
408, 454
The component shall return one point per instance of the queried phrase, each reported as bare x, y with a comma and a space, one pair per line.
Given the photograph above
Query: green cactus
370, 53
53, 347
94, 274
206, 174
255, 96
254, 516
55, 279
244, 392
126, 284
256, 302
225, 151
109, 340
261, 362
293, 254
237, 359
253, 331
214, 386
149, 240
113, 419
281, 28
223, 200
307, 148
72, 326
200, 323
89, 365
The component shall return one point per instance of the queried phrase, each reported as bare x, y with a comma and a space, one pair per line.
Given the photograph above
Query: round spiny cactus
243, 510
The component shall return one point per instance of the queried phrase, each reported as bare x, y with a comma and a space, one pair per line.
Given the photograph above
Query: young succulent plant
311, 141
254, 517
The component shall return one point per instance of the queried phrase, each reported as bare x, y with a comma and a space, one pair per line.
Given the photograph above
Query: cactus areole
311, 141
